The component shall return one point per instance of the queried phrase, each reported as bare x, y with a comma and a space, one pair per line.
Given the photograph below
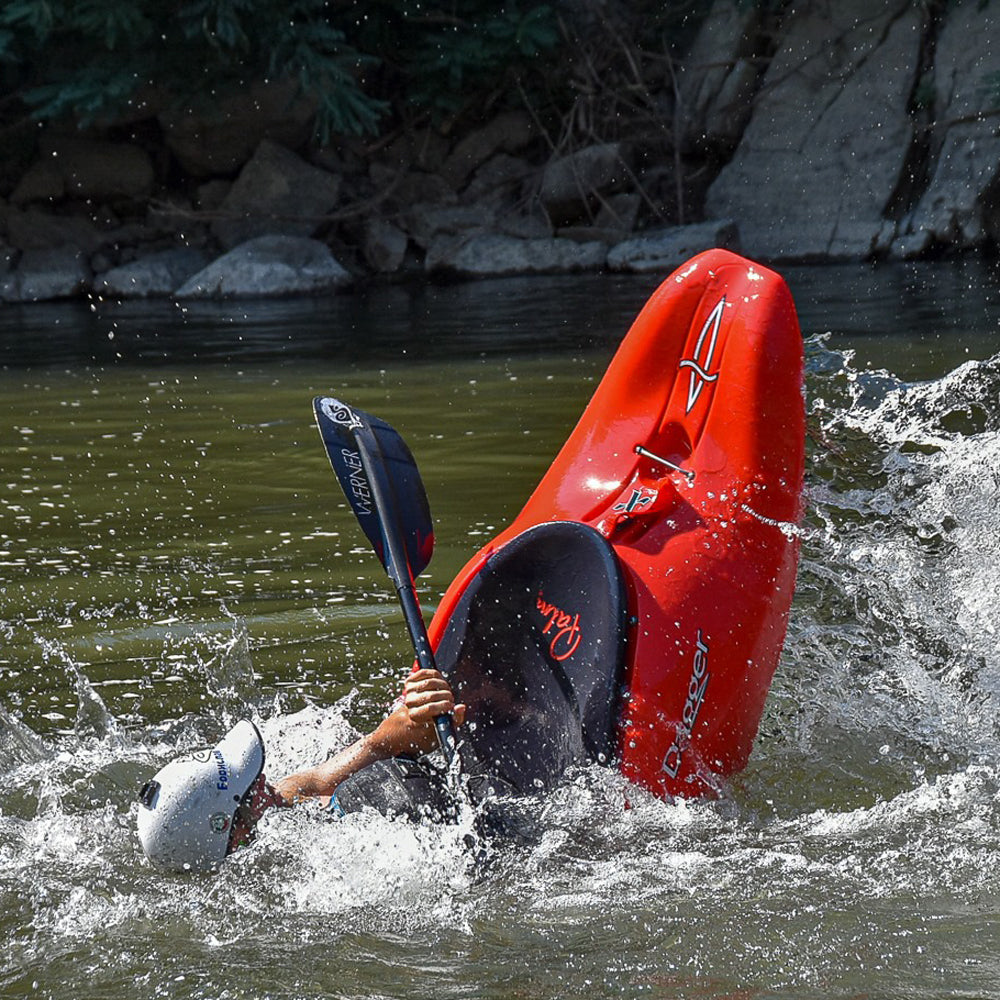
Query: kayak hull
689, 461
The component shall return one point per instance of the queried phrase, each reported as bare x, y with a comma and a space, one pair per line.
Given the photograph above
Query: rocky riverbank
835, 131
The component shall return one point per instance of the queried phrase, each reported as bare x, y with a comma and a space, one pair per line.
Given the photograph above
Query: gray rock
828, 141
210, 195
884, 240
33, 229
663, 250
534, 225
384, 245
428, 222
418, 187
608, 235
276, 193
499, 175
728, 114
716, 80
854, 239
911, 245
269, 266
159, 273
509, 132
423, 149
103, 261
174, 218
619, 211
613, 223
965, 147
570, 183
86, 168
42, 182
400, 190
493, 255
220, 136
42, 275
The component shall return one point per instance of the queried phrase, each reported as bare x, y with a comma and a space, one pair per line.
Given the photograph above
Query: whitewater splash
856, 853
900, 561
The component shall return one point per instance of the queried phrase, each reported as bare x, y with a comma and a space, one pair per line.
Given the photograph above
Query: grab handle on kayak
646, 453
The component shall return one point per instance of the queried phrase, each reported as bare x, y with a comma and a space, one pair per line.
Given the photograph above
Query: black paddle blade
380, 480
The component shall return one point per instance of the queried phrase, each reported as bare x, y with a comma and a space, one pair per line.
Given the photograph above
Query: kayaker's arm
409, 729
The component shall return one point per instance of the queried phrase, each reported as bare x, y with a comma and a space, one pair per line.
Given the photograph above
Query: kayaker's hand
410, 728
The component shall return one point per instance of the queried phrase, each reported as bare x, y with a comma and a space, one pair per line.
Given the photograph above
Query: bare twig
355, 210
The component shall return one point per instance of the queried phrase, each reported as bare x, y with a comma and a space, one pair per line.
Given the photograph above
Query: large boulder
42, 275
509, 132
957, 207
498, 177
33, 229
570, 184
76, 167
269, 267
494, 255
218, 137
160, 273
719, 76
661, 251
8, 257
399, 189
384, 245
422, 149
614, 222
427, 223
829, 137
277, 192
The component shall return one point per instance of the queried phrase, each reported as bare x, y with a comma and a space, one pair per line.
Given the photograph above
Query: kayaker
200, 808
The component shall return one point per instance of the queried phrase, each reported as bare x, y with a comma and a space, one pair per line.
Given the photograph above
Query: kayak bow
662, 614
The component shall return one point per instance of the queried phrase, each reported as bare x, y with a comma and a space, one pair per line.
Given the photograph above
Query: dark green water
174, 554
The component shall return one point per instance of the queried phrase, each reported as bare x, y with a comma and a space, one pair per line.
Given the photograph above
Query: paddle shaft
398, 568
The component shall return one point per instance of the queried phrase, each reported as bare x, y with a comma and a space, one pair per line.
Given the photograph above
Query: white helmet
186, 811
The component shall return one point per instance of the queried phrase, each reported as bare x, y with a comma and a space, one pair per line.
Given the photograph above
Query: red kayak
635, 610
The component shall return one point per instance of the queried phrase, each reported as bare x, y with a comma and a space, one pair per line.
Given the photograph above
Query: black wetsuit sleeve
402, 786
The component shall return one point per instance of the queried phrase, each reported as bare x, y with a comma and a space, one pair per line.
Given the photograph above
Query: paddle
383, 486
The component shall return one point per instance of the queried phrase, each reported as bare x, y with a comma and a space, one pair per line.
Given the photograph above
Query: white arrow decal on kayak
702, 359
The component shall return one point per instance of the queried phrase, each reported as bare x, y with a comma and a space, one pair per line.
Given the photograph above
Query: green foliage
317, 55
90, 58
487, 51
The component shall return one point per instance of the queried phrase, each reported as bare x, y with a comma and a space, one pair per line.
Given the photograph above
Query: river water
175, 554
